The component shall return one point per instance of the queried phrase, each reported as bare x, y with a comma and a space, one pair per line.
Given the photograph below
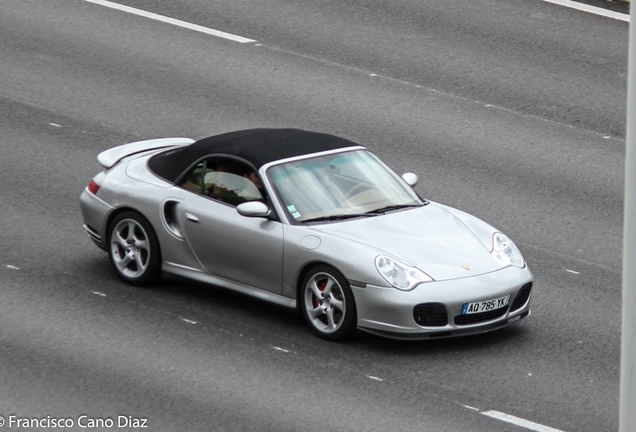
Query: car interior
226, 180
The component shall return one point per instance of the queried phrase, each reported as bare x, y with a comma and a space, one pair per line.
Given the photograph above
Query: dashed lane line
590, 9
537, 427
175, 22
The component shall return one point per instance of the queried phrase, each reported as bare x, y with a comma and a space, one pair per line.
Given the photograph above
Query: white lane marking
99, 293
188, 321
572, 271
375, 378
590, 9
519, 421
55, 124
280, 349
13, 267
172, 21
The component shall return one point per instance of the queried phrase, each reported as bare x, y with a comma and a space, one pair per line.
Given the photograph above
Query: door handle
192, 218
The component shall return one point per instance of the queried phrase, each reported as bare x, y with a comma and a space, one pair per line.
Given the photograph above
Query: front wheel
134, 249
327, 303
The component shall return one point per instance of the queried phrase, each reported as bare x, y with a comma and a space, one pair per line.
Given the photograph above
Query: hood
428, 237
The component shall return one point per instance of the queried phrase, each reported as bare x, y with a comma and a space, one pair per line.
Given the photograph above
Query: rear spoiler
110, 157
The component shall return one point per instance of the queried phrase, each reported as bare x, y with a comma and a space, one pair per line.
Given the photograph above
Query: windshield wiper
393, 207
374, 212
338, 217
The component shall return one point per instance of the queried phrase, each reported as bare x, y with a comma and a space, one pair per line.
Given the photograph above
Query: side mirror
253, 209
410, 178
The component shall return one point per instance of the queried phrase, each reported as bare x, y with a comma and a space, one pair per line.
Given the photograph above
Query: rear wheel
134, 249
327, 303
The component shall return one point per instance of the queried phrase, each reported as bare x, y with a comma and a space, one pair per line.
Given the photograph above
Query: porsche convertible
304, 220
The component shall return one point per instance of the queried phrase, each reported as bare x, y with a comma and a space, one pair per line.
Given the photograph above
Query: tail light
96, 183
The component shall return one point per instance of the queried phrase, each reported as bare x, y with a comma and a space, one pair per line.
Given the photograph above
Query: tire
133, 249
327, 303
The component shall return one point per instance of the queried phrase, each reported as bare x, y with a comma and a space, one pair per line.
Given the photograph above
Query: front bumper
392, 313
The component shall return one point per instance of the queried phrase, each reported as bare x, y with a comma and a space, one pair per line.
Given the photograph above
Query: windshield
339, 186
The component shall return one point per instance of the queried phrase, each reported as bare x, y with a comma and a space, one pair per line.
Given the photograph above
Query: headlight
400, 275
505, 251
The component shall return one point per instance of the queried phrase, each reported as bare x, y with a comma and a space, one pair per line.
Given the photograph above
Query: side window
231, 182
194, 179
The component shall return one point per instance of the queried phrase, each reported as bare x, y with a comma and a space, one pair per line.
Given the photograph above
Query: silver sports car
305, 220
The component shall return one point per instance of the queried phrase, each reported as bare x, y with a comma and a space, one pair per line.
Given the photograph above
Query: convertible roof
256, 146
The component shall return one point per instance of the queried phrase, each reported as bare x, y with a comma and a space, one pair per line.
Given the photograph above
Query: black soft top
256, 146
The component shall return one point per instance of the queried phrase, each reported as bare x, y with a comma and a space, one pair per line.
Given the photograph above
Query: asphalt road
511, 110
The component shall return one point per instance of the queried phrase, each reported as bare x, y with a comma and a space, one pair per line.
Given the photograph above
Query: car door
248, 250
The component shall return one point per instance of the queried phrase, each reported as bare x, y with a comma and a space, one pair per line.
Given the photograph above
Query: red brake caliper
321, 286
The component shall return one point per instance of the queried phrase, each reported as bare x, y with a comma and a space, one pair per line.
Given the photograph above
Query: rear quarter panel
129, 186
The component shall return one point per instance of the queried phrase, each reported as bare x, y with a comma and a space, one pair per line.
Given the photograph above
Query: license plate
485, 306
